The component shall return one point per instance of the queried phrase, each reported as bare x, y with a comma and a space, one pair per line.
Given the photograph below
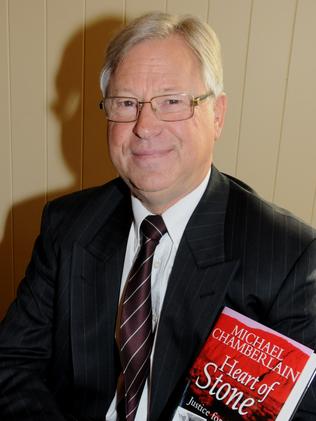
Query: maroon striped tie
136, 337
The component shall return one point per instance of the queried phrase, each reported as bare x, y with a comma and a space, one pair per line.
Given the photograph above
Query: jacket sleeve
26, 340
295, 310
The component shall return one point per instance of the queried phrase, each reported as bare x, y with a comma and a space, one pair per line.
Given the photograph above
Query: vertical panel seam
45, 152
244, 87
208, 10
124, 12
313, 209
11, 151
83, 87
276, 172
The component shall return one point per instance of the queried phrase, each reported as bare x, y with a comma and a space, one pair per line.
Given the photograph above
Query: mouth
151, 154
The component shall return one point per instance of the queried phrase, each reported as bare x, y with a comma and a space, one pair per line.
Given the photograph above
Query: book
246, 371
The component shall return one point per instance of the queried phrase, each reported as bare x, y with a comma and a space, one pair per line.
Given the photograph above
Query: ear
220, 106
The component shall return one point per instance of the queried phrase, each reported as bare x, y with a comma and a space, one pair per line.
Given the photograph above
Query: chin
149, 183
144, 188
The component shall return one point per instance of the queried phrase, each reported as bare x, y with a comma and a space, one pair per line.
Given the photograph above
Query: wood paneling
103, 20
314, 211
28, 141
65, 81
6, 237
197, 7
236, 16
296, 172
264, 92
136, 8
53, 137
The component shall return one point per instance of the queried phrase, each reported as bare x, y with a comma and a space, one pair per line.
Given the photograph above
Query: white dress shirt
175, 219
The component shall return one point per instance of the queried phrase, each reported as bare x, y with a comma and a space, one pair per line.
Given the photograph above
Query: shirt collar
176, 217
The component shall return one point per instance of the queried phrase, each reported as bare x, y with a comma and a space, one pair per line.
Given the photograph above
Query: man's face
163, 161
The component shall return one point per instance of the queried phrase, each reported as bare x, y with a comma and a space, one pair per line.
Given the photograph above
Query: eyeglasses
170, 107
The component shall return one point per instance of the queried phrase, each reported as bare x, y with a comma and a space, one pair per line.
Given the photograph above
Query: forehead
164, 64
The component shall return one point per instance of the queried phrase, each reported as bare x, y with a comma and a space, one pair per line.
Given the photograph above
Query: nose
147, 125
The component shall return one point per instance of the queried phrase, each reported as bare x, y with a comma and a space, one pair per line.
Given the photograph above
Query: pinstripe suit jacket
58, 358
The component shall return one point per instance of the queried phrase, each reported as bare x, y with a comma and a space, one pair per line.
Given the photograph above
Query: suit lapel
96, 278
196, 291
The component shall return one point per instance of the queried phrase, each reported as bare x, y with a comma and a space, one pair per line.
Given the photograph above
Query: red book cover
246, 371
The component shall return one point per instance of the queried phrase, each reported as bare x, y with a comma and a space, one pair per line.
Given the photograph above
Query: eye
173, 101
125, 103
170, 103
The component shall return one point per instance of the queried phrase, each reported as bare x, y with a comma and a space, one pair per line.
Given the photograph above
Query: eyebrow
128, 93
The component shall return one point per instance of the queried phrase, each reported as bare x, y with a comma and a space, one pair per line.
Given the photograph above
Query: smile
151, 154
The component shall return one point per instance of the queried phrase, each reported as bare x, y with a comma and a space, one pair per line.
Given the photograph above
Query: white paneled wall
296, 172
53, 138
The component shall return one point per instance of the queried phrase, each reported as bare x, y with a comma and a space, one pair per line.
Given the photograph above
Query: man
63, 345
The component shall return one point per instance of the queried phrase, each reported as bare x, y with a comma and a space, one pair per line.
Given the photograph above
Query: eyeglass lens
171, 107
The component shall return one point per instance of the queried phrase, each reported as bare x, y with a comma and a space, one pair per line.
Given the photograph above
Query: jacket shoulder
114, 187
75, 212
256, 215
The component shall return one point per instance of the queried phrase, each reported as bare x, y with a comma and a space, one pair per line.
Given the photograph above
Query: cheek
117, 136
114, 134
196, 139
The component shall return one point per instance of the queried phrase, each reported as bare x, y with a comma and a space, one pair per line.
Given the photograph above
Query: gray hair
198, 35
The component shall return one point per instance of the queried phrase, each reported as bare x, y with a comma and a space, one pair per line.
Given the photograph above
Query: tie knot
153, 227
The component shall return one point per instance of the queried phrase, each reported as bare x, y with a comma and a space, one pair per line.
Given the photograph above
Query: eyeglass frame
195, 101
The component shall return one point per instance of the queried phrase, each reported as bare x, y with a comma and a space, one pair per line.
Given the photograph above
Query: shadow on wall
86, 157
